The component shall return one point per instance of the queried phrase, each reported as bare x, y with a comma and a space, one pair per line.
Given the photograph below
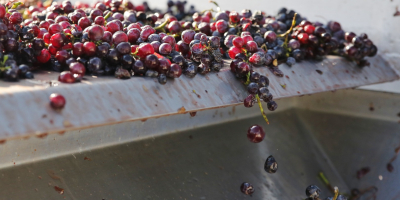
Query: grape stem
257, 97
15, 5
261, 108
247, 78
2, 63
134, 54
286, 34
212, 10
5, 58
107, 16
322, 176
161, 27
336, 193
47, 3
215, 3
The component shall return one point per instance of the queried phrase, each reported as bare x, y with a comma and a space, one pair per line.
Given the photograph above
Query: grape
290, 61
247, 188
249, 101
271, 166
313, 191
255, 134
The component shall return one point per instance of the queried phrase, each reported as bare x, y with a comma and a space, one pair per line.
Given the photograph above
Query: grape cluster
290, 38
180, 9
114, 37
18, 47
314, 40
204, 52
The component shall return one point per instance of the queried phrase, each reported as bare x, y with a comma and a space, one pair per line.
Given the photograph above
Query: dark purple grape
151, 62
11, 75
294, 44
259, 40
180, 60
326, 37
164, 66
183, 47
247, 188
272, 53
102, 50
272, 105
249, 101
313, 191
252, 88
112, 56
124, 48
271, 166
203, 69
154, 37
358, 41
127, 61
240, 56
165, 49
270, 36
95, 66
206, 59
138, 68
255, 77
205, 28
215, 41
175, 71
296, 54
217, 66
191, 70
263, 92
351, 50
373, 51
198, 36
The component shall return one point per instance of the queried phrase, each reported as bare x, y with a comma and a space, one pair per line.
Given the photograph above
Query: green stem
211, 10
176, 35
161, 27
98, 43
261, 109
134, 54
215, 3
336, 193
286, 34
5, 58
108, 15
323, 178
15, 5
247, 78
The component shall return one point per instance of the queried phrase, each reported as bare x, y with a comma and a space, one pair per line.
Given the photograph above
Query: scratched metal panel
106, 100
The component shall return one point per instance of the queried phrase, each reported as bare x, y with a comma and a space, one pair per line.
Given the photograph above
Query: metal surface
169, 158
106, 100
353, 143
205, 163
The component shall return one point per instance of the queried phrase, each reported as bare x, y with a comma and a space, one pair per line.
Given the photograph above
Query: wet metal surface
206, 163
353, 143
172, 158
212, 162
106, 100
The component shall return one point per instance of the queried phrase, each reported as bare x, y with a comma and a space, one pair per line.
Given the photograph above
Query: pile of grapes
115, 38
